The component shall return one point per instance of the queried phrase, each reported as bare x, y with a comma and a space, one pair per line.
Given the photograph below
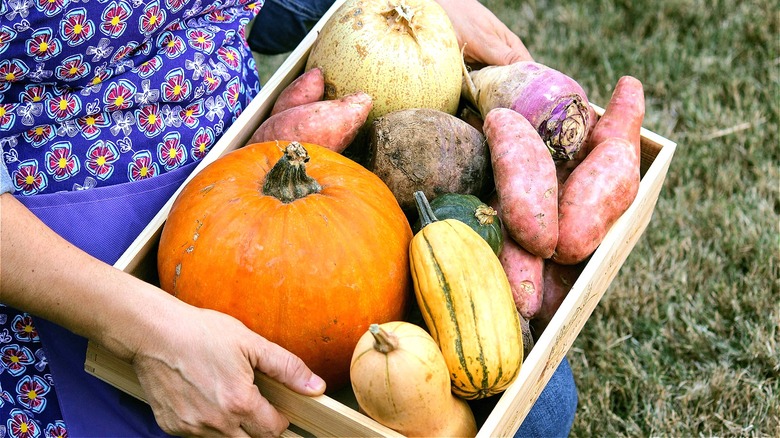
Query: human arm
196, 366
487, 40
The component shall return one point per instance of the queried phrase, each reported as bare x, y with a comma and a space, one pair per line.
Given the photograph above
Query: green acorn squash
470, 210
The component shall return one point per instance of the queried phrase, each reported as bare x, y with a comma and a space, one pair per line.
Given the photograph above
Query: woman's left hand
487, 40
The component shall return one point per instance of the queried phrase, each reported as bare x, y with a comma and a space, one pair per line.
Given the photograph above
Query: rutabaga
554, 103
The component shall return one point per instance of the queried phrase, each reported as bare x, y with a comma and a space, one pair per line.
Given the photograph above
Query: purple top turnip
554, 103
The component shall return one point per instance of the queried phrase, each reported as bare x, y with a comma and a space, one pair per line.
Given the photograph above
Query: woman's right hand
197, 371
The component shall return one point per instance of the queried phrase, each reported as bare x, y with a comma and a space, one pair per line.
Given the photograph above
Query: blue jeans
553, 413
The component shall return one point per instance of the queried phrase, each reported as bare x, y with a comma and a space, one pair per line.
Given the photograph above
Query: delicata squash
466, 302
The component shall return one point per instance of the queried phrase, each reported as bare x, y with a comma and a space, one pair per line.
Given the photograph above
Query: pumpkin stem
424, 209
384, 342
485, 214
287, 180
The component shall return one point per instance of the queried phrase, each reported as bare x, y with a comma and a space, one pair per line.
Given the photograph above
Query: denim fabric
553, 413
551, 416
5, 179
282, 24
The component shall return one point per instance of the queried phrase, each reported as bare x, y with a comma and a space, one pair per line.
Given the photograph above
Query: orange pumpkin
307, 255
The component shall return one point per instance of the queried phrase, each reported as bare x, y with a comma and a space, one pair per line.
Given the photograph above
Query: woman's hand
197, 371
487, 40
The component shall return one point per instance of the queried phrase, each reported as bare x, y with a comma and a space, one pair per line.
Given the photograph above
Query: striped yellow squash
466, 302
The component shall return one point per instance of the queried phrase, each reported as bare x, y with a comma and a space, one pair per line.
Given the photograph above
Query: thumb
286, 368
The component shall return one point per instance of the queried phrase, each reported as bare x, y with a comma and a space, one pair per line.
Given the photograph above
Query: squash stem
424, 209
485, 214
287, 180
384, 342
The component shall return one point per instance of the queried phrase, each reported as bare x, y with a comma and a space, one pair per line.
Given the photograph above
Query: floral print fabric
101, 92
27, 400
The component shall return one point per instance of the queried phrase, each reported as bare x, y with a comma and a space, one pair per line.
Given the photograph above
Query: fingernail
316, 383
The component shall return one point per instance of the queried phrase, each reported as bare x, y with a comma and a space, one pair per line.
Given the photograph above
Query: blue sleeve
282, 24
5, 179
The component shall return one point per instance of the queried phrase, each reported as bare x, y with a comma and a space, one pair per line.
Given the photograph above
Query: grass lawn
686, 342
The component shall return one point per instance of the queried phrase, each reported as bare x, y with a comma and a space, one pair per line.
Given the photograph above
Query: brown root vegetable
523, 270
332, 124
528, 338
306, 88
596, 194
525, 181
430, 151
558, 281
472, 117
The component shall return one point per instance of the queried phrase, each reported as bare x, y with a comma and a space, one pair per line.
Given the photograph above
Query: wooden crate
338, 415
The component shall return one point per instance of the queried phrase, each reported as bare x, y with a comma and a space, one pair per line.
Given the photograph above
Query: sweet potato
430, 151
523, 270
329, 123
623, 115
557, 282
596, 194
554, 103
306, 88
525, 181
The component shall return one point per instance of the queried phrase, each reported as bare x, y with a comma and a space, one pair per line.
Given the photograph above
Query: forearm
43, 274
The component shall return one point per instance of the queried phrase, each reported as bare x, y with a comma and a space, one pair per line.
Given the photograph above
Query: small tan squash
400, 379
465, 299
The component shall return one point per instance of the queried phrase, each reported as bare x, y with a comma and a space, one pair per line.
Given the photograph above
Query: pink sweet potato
306, 88
558, 281
623, 115
525, 180
596, 194
329, 123
523, 270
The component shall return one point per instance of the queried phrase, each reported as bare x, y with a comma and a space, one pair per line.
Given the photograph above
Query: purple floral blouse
101, 92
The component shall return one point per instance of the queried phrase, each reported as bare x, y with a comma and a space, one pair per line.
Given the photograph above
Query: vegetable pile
314, 249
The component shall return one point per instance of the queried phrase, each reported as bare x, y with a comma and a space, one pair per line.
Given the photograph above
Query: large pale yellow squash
404, 53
